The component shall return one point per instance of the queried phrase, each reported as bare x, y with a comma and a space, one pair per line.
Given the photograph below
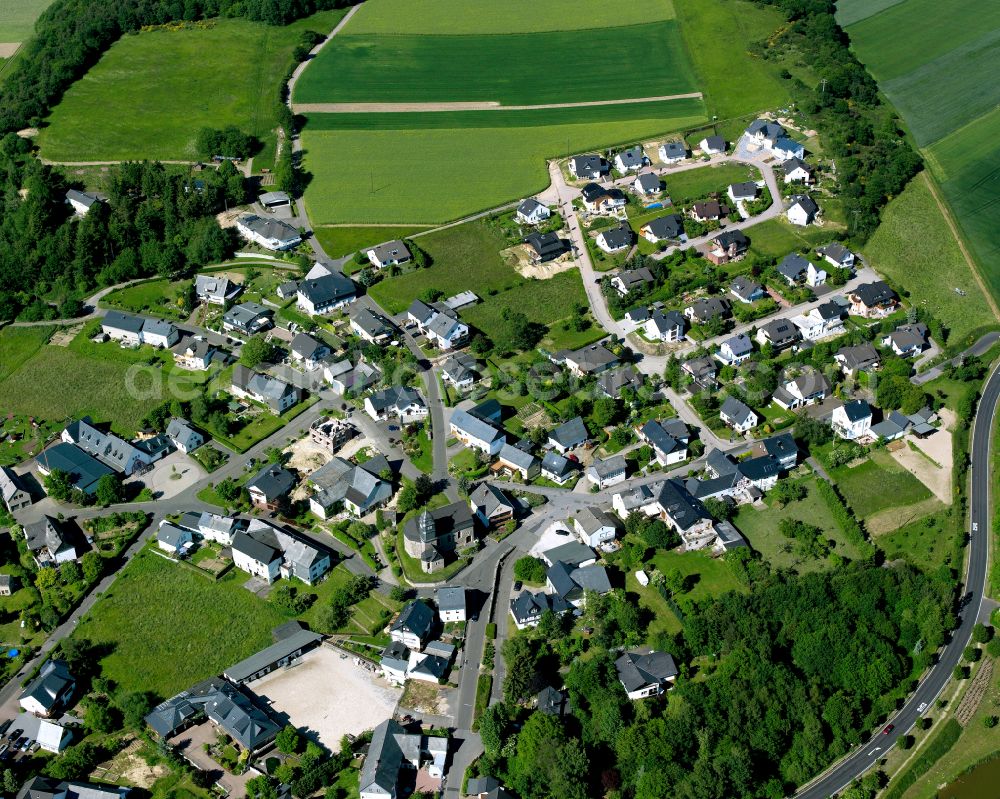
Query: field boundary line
946, 213
411, 108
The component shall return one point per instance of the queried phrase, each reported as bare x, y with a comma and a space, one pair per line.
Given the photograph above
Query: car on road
518, 585
888, 728
922, 707
393, 428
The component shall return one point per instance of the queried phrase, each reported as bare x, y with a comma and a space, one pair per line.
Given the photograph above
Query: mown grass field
166, 627
17, 18
915, 249
693, 184
157, 297
340, 241
483, 16
151, 93
403, 176
512, 69
18, 344
878, 483
776, 238
851, 11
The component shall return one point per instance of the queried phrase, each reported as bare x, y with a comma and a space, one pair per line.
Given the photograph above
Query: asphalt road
865, 756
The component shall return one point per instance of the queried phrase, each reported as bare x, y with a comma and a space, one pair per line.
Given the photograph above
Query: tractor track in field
410, 108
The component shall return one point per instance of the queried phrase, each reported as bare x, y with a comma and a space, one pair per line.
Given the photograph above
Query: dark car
888, 728
518, 585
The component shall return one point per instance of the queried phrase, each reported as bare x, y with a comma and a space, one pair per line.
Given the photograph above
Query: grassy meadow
18, 344
435, 175
340, 241
17, 18
878, 483
152, 92
512, 69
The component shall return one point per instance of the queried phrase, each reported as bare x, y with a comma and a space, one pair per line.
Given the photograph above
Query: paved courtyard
327, 695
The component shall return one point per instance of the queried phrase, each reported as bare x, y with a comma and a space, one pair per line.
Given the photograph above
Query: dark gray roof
301, 639
123, 321
862, 356
587, 164
609, 467
805, 202
660, 439
269, 227
675, 149
735, 410
671, 320
490, 498
747, 189
517, 456
670, 226
876, 293
47, 533
51, 682
451, 597
744, 287
394, 250
680, 505
244, 314
771, 130
639, 669
716, 142
416, 618
272, 481
781, 446
649, 182
707, 308
327, 288
570, 434
258, 550
476, 426
780, 331
793, 266
529, 206
85, 468
309, 348
733, 239
572, 553
797, 163
556, 464
547, 246
857, 409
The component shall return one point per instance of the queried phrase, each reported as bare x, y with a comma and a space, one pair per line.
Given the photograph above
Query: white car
922, 707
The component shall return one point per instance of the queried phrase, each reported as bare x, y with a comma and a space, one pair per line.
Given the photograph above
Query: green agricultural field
340, 241
418, 178
878, 483
716, 35
483, 16
512, 69
151, 93
18, 344
851, 11
915, 249
166, 627
17, 18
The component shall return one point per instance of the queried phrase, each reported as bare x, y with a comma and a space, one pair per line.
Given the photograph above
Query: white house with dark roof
598, 199
735, 349
396, 401
590, 360
785, 149
358, 489
451, 603
779, 333
797, 269
668, 438
798, 171
392, 253
746, 290
861, 358
648, 184
459, 370
742, 192
49, 541
873, 300
802, 211
50, 691
183, 436
588, 167
907, 340
713, 145
664, 228
247, 318
309, 351
491, 505
836, 254
532, 212
826, 319
852, 420
628, 280
738, 415
273, 392
806, 389
631, 159
123, 327
665, 326
476, 432
12, 491
608, 472
81, 202
594, 526
172, 539
568, 435
518, 461
672, 152
558, 469
271, 234
646, 672
193, 353
615, 239
270, 486
216, 290
324, 293
764, 132
372, 327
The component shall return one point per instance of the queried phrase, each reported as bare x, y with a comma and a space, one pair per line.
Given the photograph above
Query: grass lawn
423, 458
761, 529
157, 297
776, 238
915, 249
341, 241
694, 184
18, 344
663, 620
17, 18
165, 627
150, 93
711, 576
416, 177
411, 566
927, 543
878, 483
504, 68
480, 16
704, 26
264, 425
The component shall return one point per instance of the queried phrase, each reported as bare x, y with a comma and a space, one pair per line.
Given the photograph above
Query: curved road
865, 756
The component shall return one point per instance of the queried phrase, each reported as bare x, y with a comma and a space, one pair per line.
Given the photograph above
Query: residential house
785, 149
808, 388
672, 152
588, 167
548, 701
308, 351
572, 553
836, 254
392, 253
638, 316
572, 583
269, 552
611, 383
779, 333
357, 489
798, 171
873, 300
666, 327
271, 234
287, 290
631, 160
491, 505
477, 432
527, 608
648, 184
702, 370
372, 327
713, 145
50, 691
276, 394
558, 469
274, 200
344, 377
797, 269
122, 456
81, 201
84, 469
172, 539
514, 460
628, 280
802, 211
331, 433
664, 228
646, 672
247, 318
414, 625
400, 663
852, 420
393, 750
746, 290
594, 526
324, 293
730, 245
136, 330
782, 448
159, 333
193, 353
270, 486
459, 370
569, 435
532, 212
826, 319
673, 503
735, 350
599, 200
764, 132
742, 192
451, 603
745, 479
590, 360
907, 340
708, 211
433, 534
615, 239
439, 323
862, 358
183, 436
14, 495
608, 472
668, 438
396, 401
216, 290
707, 308
544, 247
738, 415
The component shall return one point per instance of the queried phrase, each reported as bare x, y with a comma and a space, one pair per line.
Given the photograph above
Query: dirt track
403, 108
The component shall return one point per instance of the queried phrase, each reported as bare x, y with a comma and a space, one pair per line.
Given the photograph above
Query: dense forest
874, 159
774, 685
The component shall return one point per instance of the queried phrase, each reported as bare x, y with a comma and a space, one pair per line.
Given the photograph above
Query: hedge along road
409, 108
850, 768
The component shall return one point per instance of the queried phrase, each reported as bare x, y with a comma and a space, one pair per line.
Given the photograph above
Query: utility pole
823, 84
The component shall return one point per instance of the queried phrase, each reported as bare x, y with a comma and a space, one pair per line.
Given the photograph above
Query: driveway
191, 744
171, 476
